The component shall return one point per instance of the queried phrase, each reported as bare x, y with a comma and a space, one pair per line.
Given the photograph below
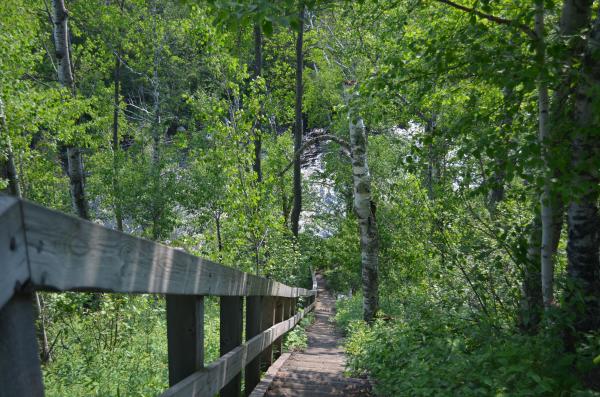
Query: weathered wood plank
20, 371
279, 316
185, 335
254, 306
67, 253
232, 311
14, 270
267, 321
270, 374
213, 377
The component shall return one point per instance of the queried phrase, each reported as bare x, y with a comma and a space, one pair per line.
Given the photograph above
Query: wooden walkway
318, 371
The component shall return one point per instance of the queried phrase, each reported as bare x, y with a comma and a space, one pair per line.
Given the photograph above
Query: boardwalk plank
319, 370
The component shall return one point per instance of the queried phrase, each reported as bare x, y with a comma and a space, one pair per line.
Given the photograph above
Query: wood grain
254, 306
232, 319
208, 381
13, 254
70, 254
20, 372
319, 370
185, 335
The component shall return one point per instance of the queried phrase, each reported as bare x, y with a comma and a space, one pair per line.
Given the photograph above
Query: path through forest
318, 371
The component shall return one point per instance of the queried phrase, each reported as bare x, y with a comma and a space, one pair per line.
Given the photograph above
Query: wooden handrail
42, 249
209, 380
58, 252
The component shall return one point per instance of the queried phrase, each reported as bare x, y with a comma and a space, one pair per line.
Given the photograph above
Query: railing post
254, 306
294, 307
267, 321
185, 335
279, 313
287, 307
20, 371
231, 337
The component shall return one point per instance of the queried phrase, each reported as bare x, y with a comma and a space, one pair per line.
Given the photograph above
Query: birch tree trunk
531, 287
257, 128
115, 134
432, 177
65, 77
575, 17
547, 255
156, 132
364, 207
583, 248
8, 168
298, 126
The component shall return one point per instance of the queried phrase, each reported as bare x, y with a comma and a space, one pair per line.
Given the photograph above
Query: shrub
440, 356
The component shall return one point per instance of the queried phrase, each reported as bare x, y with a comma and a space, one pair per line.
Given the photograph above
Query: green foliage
111, 345
422, 352
297, 339
450, 103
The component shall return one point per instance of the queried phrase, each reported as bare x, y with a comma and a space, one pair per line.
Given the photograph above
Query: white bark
583, 248
156, 129
547, 215
65, 77
61, 43
364, 208
9, 171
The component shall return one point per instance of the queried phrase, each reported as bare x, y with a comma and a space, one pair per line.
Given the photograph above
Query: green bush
440, 357
114, 345
296, 339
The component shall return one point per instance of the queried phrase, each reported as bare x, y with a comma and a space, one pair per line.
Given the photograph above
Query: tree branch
324, 137
499, 20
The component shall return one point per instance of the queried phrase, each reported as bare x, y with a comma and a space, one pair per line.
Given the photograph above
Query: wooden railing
41, 249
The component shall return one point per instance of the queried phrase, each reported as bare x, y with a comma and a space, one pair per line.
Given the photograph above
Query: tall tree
547, 215
7, 166
65, 77
364, 208
298, 124
583, 248
116, 147
258, 63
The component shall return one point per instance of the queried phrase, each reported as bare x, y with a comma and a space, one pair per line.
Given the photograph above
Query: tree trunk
364, 207
65, 77
497, 190
298, 126
431, 178
218, 227
583, 248
77, 178
531, 288
156, 133
257, 128
575, 17
115, 138
547, 256
8, 168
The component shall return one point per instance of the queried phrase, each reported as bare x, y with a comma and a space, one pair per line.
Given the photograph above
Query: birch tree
61, 35
583, 249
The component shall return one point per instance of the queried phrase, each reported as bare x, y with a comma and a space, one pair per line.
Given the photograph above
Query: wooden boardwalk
318, 371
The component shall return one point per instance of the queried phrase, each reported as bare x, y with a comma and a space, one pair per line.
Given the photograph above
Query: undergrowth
421, 351
297, 339
113, 346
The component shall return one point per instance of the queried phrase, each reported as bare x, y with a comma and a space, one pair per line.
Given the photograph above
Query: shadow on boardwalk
319, 370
